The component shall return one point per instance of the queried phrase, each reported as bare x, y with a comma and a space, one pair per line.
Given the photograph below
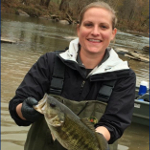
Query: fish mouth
55, 121
94, 40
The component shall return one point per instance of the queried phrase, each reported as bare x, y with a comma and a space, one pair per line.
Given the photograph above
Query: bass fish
72, 132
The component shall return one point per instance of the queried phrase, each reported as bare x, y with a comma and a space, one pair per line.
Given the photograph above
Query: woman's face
95, 31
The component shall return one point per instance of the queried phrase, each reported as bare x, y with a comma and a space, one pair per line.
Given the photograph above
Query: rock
22, 13
145, 49
139, 58
46, 17
63, 22
133, 55
120, 50
3, 40
54, 16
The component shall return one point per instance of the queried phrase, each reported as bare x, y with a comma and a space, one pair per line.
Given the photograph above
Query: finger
31, 111
31, 101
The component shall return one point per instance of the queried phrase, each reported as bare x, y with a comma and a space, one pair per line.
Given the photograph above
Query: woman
91, 71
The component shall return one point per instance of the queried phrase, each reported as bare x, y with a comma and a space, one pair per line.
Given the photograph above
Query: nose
95, 31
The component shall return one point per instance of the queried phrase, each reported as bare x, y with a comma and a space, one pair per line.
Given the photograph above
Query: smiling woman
92, 78
95, 32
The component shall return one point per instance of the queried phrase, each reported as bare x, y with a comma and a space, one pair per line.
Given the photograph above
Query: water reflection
34, 38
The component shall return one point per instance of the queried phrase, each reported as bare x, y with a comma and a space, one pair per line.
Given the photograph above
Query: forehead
100, 14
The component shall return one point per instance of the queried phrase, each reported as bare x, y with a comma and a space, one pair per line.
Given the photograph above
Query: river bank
53, 12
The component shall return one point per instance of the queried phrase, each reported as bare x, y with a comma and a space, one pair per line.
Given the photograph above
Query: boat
141, 108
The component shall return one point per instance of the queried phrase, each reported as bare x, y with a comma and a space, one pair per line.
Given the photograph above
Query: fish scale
69, 135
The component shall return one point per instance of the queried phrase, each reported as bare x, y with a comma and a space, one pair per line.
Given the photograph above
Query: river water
37, 36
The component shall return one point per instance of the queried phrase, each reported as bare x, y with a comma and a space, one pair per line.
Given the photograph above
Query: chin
95, 51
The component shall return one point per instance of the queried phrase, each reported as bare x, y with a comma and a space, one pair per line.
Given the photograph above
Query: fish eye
52, 105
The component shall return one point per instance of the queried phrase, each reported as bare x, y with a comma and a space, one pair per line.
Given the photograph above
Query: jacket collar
72, 52
113, 63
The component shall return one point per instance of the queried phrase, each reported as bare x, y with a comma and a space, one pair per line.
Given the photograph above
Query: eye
52, 105
104, 26
88, 24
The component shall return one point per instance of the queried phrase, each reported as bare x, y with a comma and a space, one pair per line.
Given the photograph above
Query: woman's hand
26, 111
104, 131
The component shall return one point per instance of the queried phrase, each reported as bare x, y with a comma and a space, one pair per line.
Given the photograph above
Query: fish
72, 132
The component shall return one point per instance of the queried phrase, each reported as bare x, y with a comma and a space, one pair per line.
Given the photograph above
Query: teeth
93, 40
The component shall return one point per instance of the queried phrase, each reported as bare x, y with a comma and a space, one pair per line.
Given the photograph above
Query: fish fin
87, 122
53, 137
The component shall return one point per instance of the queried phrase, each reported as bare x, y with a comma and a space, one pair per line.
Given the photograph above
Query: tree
26, 2
45, 3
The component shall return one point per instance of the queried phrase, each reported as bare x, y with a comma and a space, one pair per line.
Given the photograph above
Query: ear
113, 33
78, 28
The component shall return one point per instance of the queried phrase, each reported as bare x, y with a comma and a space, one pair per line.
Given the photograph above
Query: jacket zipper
82, 85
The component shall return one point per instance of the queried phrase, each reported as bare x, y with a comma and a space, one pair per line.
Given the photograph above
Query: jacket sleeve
35, 83
118, 114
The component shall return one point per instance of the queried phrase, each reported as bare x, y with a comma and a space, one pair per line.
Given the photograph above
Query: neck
90, 60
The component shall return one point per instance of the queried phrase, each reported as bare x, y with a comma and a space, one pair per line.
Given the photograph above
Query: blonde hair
99, 5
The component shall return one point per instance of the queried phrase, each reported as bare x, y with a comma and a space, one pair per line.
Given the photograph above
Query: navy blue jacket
120, 106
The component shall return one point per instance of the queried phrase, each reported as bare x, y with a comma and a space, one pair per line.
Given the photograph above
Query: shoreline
56, 15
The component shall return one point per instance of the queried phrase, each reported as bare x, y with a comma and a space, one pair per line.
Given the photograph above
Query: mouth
94, 40
55, 121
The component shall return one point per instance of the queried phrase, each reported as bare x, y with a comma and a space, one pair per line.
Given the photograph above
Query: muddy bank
53, 12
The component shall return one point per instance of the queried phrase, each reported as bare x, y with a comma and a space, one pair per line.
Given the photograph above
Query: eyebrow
103, 23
